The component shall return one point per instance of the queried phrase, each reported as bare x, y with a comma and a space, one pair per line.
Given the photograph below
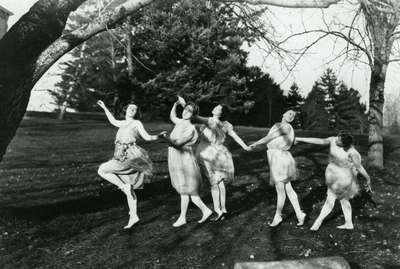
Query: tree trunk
33, 45
375, 117
20, 48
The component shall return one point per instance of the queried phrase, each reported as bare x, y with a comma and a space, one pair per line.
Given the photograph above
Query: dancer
183, 168
282, 165
130, 164
340, 176
214, 158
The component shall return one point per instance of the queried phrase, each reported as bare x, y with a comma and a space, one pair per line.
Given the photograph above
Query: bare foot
132, 221
206, 215
315, 226
277, 220
180, 222
346, 226
301, 219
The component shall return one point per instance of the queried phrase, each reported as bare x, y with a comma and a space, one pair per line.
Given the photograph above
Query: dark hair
137, 115
347, 139
225, 112
194, 106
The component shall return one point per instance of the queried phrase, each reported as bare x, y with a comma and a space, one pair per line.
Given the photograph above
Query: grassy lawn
56, 212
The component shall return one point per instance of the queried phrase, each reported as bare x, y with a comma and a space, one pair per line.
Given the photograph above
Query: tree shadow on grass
106, 199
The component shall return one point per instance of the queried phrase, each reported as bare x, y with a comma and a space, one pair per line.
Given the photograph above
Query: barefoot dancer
282, 166
215, 159
182, 165
130, 164
340, 175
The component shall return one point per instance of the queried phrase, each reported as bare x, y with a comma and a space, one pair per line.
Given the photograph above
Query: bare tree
370, 38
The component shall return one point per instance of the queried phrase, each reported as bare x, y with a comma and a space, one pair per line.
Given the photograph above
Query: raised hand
181, 101
101, 104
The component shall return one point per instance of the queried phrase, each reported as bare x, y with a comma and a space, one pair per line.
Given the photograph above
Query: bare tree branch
291, 3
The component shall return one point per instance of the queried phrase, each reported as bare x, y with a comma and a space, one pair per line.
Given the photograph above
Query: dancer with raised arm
130, 164
340, 176
183, 168
282, 165
214, 158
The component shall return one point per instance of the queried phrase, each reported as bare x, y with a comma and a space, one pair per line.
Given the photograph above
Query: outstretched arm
317, 141
237, 139
200, 119
144, 134
282, 130
172, 114
110, 117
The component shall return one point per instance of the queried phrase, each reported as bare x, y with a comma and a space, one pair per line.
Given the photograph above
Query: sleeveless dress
129, 159
282, 165
183, 168
214, 158
341, 172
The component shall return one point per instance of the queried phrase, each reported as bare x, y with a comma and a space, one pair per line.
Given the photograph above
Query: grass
57, 213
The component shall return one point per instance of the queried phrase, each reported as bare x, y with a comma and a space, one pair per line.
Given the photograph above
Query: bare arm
200, 119
144, 134
317, 141
282, 130
172, 114
237, 139
110, 117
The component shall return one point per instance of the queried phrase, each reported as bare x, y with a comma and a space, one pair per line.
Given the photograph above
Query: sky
284, 21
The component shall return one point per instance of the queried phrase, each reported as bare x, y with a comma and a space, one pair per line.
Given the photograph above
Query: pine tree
314, 112
295, 101
328, 84
348, 111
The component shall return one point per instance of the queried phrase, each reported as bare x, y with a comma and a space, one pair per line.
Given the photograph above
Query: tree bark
33, 45
20, 48
375, 117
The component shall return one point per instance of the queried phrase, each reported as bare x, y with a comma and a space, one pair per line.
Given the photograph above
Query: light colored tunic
183, 168
282, 165
129, 160
214, 158
341, 172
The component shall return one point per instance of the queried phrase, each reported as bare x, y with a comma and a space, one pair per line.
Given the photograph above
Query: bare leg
281, 197
112, 178
295, 203
204, 209
215, 193
326, 209
132, 203
222, 190
346, 207
184, 206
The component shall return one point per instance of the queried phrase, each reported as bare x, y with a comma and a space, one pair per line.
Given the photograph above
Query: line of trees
38, 40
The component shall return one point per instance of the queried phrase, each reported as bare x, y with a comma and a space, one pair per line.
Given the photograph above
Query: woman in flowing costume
183, 168
130, 166
282, 165
214, 158
340, 176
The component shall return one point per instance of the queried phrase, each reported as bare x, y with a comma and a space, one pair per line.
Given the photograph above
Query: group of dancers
189, 160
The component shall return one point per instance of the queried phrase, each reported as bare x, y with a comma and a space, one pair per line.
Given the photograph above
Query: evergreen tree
314, 113
328, 85
295, 101
349, 112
